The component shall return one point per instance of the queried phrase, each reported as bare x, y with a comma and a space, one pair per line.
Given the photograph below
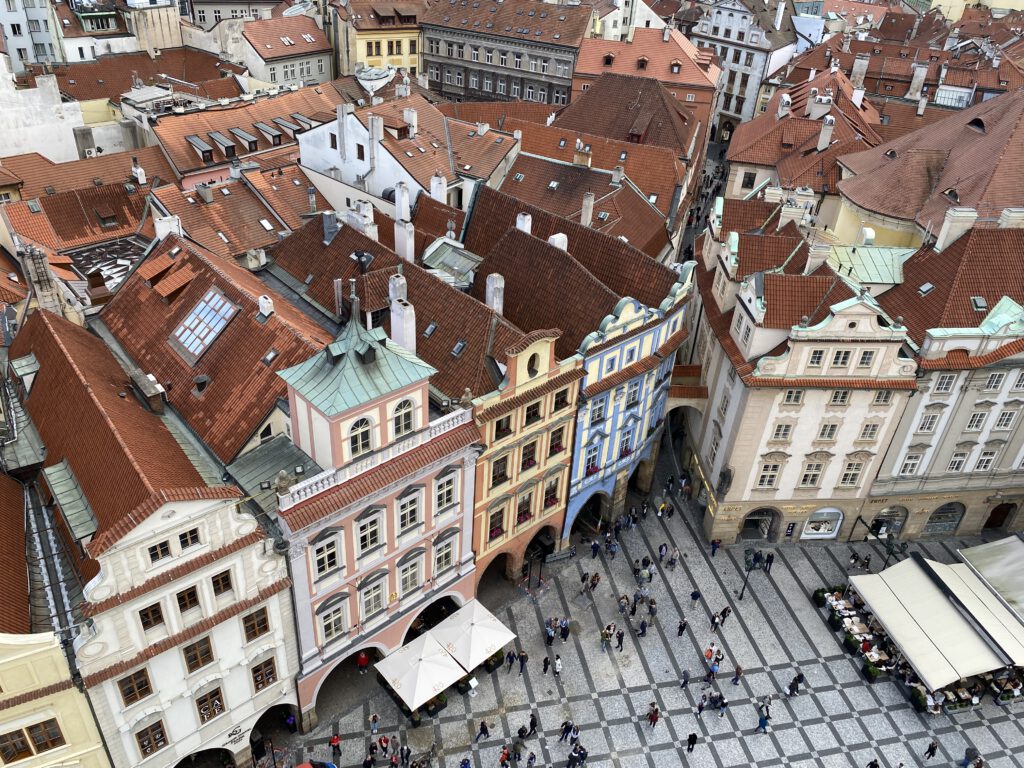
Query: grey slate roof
71, 499
262, 464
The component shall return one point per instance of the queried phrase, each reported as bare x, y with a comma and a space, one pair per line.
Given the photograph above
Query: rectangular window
369, 536
499, 471
851, 474
198, 654
841, 358
749, 61
444, 496
1005, 420
532, 413
188, 599
944, 383
135, 687
769, 476
46, 736
977, 421
189, 538
372, 599
204, 323
496, 524
1019, 383
326, 558
597, 412
928, 422
840, 397
489, 57
883, 397
15, 28
151, 738
550, 493
444, 556
812, 475
409, 578
255, 624
749, 177
869, 432
14, 746
995, 381
985, 461
264, 674
816, 358
529, 457
474, 54
561, 399
782, 432
151, 616
713, 450
514, 89
828, 431
794, 396
910, 464
555, 441
502, 427
866, 359
957, 461
626, 443
633, 393
747, 330
723, 405
408, 513
159, 551
221, 582
209, 705
333, 624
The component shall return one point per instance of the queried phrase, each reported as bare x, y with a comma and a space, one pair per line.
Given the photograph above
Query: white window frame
332, 624
370, 523
828, 431
841, 358
867, 359
403, 506
811, 476
882, 397
769, 475
446, 492
851, 474
840, 397
957, 461
976, 422
793, 397
445, 550
406, 411
986, 460
994, 381
911, 463
323, 553
869, 432
944, 383
928, 423
415, 569
377, 592
816, 358
1005, 420
782, 432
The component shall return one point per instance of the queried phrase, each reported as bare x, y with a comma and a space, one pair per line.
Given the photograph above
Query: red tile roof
432, 217
242, 388
15, 619
369, 15
285, 38
286, 190
660, 55
111, 75
122, 455
899, 117
523, 20
790, 298
495, 113
36, 172
748, 215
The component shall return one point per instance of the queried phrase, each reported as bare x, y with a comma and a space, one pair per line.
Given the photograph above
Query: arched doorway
761, 525
596, 508
208, 758
274, 726
343, 687
945, 519
430, 617
1000, 514
889, 520
726, 133
823, 524
640, 480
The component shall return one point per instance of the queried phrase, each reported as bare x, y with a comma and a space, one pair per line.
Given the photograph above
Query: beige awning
420, 670
472, 634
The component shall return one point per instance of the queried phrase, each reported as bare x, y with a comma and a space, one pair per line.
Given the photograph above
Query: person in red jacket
383, 742
363, 662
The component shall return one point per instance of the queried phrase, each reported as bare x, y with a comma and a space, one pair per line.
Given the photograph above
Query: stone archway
945, 519
208, 758
1000, 515
430, 616
343, 685
889, 520
596, 508
276, 724
761, 524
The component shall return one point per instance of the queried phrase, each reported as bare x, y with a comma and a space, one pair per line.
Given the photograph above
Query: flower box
496, 532
556, 449
592, 471
529, 464
550, 501
625, 453
522, 517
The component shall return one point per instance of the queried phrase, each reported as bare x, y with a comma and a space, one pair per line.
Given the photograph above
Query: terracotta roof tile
122, 455
370, 15
661, 55
431, 217
75, 219
496, 113
350, 91
510, 404
289, 200
760, 253
643, 365
748, 215
265, 37
511, 19
16, 616
242, 388
960, 359
790, 298
36, 694
37, 172
899, 117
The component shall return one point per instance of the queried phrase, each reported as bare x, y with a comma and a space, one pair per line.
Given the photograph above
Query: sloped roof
525, 20
790, 298
268, 37
367, 15
15, 619
976, 265
748, 215
899, 116
622, 106
350, 91
36, 172
286, 190
660, 56
240, 363
765, 16
495, 113
358, 367
123, 456
970, 159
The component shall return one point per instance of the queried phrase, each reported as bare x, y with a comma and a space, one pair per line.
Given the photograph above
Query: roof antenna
354, 299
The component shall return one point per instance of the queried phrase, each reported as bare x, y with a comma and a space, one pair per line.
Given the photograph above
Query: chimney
255, 259
666, 34
617, 173
780, 12
922, 105
266, 14
137, 173
587, 211
342, 112
495, 291
376, 136
785, 104
439, 187
865, 236
846, 43
857, 97
205, 193
330, 219
817, 255
412, 121
235, 170
581, 156
403, 316
810, 102
825, 137
339, 297
955, 224
167, 225
482, 128
996, 60
524, 223
148, 389
402, 211
1011, 218
311, 196
560, 240
917, 81
859, 70
819, 107
266, 305
405, 240
812, 74
376, 101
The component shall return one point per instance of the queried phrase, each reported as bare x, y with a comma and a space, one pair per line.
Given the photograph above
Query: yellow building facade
850, 218
44, 719
367, 39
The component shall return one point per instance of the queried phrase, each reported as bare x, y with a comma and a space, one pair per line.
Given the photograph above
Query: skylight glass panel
204, 323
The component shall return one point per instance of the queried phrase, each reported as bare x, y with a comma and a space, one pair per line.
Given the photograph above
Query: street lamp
892, 547
751, 562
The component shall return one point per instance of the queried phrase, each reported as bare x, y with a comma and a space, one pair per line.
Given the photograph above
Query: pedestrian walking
518, 747
643, 628
694, 597
564, 627
662, 552
691, 742
715, 544
595, 547
584, 581
484, 732
686, 679
681, 629
523, 658
709, 653
549, 633
566, 730
335, 745
722, 704
547, 665
737, 674
711, 675
533, 724
594, 581
701, 704
574, 734
405, 753
873, 764
768, 562
368, 761
929, 753
724, 614
558, 667
652, 608
652, 570
531, 760
715, 619
510, 659
619, 637
362, 662
762, 724
653, 715
971, 754
606, 639
384, 743
613, 549
673, 559
374, 724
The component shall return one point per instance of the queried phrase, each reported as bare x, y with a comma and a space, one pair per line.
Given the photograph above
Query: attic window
979, 303
201, 383
429, 330
552, 184
609, 59
561, 143
891, 154
107, 217
641, 63
952, 195
675, 69
203, 324
409, 154
518, 177
271, 355
459, 348
925, 289
652, 199
222, 236
225, 191
266, 225
977, 124
622, 155
49, 190
33, 206
602, 216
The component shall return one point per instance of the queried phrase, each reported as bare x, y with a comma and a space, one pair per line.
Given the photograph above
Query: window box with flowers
529, 464
524, 517
625, 452
593, 470
495, 533
550, 500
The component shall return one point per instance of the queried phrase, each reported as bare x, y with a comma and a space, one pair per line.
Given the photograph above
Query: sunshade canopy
472, 634
420, 670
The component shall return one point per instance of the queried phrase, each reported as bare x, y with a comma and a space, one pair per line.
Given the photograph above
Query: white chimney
439, 187
920, 71
817, 255
376, 123
137, 173
825, 137
785, 104
1011, 218
524, 223
402, 209
482, 128
205, 192
560, 240
403, 322
167, 225
330, 219
266, 14
859, 70
922, 105
666, 34
266, 305
779, 13
311, 197
412, 121
811, 75
846, 43
398, 288
857, 97
865, 236
819, 107
495, 291
342, 112
405, 240
810, 102
587, 211
956, 222
617, 173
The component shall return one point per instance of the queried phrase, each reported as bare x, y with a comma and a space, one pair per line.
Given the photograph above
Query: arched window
359, 437
403, 418
533, 365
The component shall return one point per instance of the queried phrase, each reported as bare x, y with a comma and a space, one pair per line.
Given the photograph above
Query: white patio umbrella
420, 670
472, 634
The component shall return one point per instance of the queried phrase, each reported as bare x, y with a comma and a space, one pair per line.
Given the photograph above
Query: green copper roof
359, 366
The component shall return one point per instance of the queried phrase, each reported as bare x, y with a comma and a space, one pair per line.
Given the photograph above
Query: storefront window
945, 519
823, 524
889, 520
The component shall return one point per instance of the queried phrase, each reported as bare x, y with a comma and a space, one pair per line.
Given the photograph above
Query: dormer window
609, 59
952, 195
676, 67
641, 63
359, 437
